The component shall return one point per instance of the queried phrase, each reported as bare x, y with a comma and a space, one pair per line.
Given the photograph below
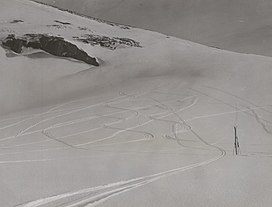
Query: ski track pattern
97, 195
250, 110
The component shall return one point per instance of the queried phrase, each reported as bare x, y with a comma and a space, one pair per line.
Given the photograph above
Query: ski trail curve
121, 187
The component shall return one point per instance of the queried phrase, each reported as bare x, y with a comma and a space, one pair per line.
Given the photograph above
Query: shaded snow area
151, 126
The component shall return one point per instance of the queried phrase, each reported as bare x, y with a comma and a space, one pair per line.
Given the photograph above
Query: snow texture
152, 126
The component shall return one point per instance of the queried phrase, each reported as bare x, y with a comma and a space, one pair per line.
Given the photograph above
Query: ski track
29, 117
123, 130
247, 112
105, 192
77, 121
83, 132
259, 120
51, 118
79, 146
238, 97
56, 109
121, 187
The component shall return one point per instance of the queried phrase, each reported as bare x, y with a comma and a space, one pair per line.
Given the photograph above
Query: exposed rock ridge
51, 44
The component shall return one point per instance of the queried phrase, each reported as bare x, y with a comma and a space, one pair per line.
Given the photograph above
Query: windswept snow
237, 25
152, 126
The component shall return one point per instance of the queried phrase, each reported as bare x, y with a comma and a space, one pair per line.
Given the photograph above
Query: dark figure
236, 142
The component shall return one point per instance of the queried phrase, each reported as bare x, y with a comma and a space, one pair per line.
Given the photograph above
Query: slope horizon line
131, 26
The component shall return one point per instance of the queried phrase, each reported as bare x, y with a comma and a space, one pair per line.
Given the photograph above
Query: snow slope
151, 126
237, 25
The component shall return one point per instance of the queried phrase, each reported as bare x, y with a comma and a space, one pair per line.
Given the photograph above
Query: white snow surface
151, 126
236, 25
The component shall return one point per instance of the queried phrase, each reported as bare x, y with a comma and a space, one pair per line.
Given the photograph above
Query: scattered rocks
83, 28
64, 23
51, 44
85, 16
107, 42
57, 26
16, 21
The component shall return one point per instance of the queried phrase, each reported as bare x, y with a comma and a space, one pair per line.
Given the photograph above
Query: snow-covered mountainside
152, 125
158, 54
237, 25
29, 26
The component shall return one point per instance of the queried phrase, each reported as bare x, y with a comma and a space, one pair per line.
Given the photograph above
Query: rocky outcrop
51, 44
16, 45
111, 43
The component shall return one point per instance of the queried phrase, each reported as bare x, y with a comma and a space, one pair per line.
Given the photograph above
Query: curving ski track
96, 195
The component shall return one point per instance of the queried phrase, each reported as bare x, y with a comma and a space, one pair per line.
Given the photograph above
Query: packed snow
152, 126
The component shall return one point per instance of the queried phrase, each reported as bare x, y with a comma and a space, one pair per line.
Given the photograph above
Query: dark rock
65, 23
16, 21
14, 44
59, 47
51, 44
107, 42
34, 45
